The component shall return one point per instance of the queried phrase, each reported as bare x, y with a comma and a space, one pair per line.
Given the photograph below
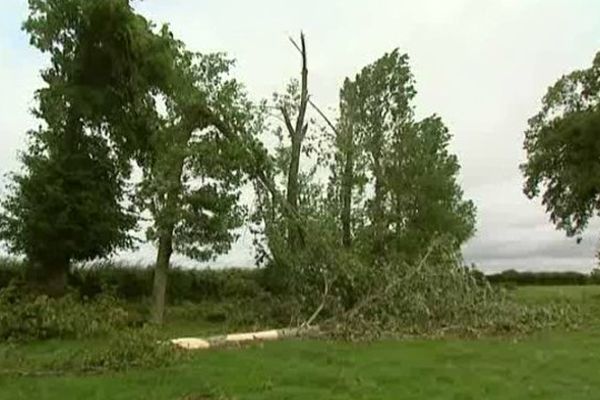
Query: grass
548, 365
584, 294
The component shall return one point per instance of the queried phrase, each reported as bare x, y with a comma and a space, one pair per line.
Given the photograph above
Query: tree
425, 199
396, 178
347, 157
194, 168
294, 140
67, 205
111, 75
563, 150
385, 89
295, 103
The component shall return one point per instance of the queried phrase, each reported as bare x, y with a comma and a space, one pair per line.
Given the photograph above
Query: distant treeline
545, 278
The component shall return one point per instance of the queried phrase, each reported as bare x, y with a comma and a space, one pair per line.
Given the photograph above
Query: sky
482, 65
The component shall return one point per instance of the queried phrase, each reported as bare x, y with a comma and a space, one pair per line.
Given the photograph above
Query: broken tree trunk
239, 338
297, 133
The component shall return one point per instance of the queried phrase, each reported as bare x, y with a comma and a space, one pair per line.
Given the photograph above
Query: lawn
547, 365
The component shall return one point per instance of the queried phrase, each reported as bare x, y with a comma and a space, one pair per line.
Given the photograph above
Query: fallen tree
437, 296
191, 343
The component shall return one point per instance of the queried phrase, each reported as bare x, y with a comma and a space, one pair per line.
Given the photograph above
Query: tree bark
55, 279
161, 271
167, 217
292, 194
378, 212
297, 134
347, 181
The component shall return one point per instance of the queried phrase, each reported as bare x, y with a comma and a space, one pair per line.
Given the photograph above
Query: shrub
124, 349
11, 269
132, 348
134, 282
25, 316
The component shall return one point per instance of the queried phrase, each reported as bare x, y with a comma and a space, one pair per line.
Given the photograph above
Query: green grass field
547, 365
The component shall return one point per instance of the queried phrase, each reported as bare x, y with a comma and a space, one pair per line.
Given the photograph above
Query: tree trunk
292, 194
166, 216
378, 211
347, 181
297, 134
161, 270
55, 279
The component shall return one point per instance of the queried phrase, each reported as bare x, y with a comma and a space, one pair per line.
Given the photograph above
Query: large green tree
67, 203
563, 150
397, 180
197, 161
425, 199
121, 90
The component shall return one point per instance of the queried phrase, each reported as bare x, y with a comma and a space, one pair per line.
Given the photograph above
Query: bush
132, 348
124, 349
11, 269
134, 283
127, 283
25, 316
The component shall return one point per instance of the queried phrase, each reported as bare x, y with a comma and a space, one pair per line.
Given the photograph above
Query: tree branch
322, 114
287, 120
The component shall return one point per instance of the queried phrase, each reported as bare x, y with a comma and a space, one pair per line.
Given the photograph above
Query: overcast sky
482, 65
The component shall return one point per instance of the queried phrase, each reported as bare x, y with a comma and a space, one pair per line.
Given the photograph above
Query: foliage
66, 206
135, 93
265, 311
295, 194
404, 194
131, 348
563, 149
106, 66
133, 283
25, 316
374, 253
192, 175
11, 269
394, 177
121, 350
437, 295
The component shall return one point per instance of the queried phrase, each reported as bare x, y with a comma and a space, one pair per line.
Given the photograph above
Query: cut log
191, 343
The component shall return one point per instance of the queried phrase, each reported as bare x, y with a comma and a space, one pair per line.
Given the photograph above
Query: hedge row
545, 278
135, 282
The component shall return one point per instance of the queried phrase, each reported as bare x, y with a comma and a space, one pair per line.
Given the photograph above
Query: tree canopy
563, 150
68, 203
397, 179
